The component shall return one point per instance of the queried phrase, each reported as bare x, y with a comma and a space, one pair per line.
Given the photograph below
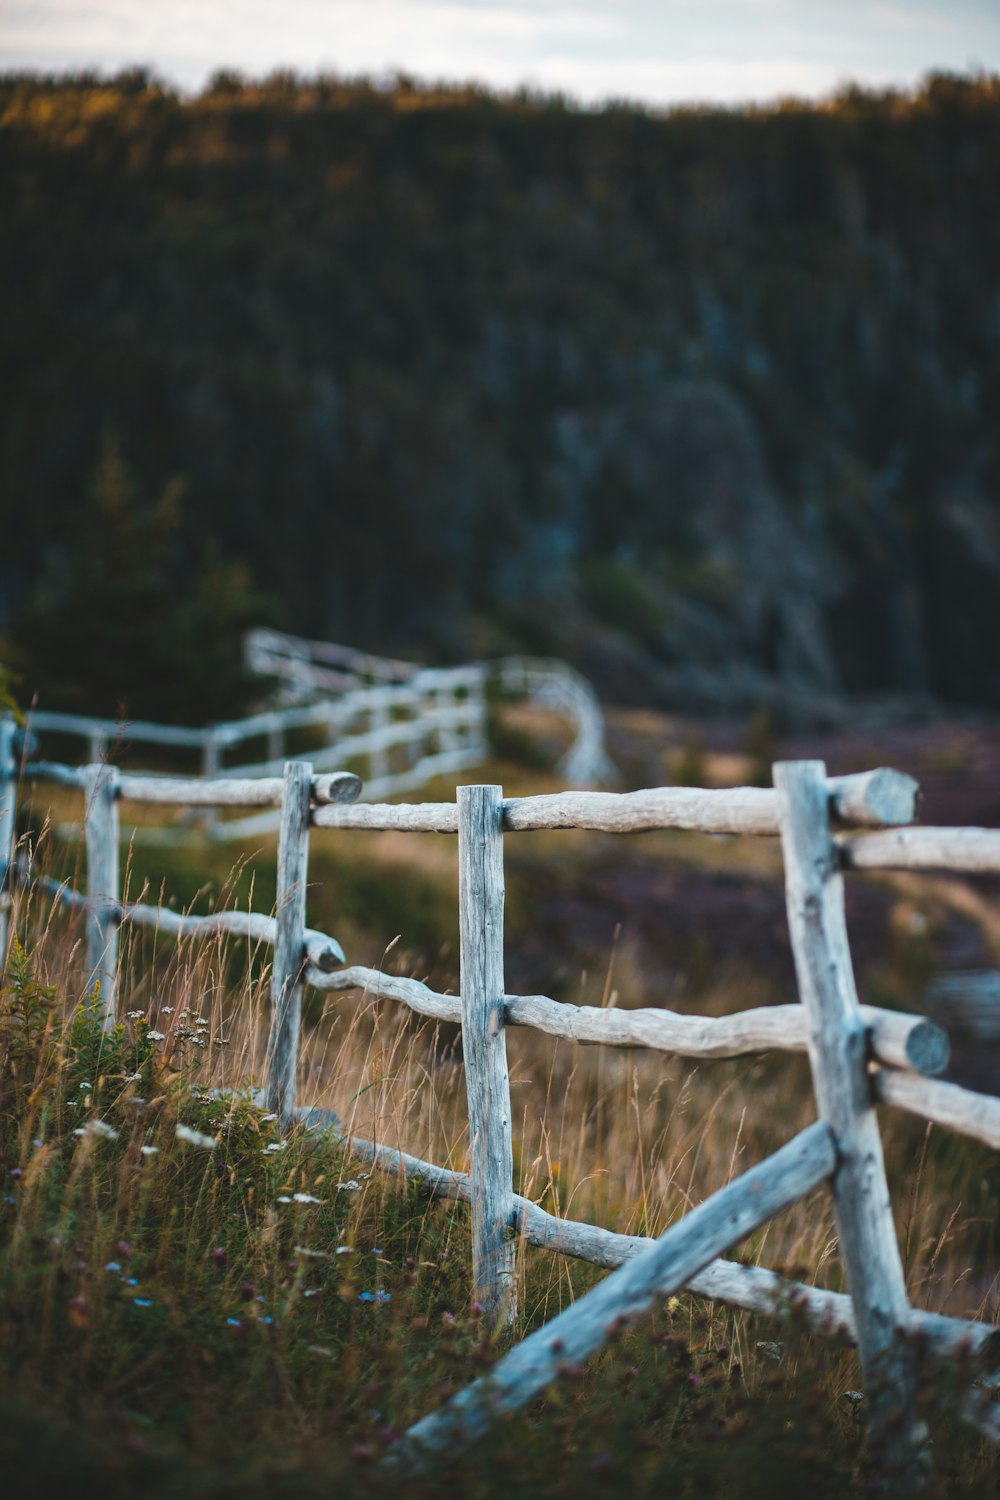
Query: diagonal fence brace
594, 1320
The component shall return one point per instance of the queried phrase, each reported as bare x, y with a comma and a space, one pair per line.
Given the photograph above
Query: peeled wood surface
323, 952
419, 817
484, 1048
264, 791
899, 1040
101, 835
962, 1110
589, 1323
751, 1287
869, 798
289, 940
814, 890
972, 850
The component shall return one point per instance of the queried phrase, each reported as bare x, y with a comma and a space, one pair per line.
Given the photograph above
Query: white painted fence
857, 1054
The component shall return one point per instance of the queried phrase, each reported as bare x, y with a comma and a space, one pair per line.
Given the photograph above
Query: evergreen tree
134, 618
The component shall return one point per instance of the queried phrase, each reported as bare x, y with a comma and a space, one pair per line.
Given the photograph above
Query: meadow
189, 1303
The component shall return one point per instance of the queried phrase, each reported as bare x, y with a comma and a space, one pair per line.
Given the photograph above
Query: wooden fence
399, 724
858, 1055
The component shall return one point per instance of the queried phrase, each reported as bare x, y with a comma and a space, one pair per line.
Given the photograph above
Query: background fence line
845, 1041
401, 723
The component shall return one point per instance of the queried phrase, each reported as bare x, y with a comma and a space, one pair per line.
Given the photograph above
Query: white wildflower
155, 1036
274, 1146
349, 1187
344, 1250
305, 1198
132, 1077
136, 1015
167, 1010
196, 1137
149, 1150
100, 1128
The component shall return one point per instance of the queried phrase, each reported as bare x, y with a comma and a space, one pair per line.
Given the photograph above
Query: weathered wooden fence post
103, 915
378, 755
8, 795
290, 941
838, 1055
481, 897
445, 707
211, 760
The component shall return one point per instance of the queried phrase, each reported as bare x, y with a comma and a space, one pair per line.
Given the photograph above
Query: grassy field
259, 1317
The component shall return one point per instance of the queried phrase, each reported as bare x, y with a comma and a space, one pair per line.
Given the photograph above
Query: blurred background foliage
704, 401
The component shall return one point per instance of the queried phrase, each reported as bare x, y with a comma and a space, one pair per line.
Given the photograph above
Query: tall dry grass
624, 1138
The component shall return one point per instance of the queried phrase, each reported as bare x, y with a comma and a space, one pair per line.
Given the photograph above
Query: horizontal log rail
858, 1054
683, 1250
322, 952
970, 851
753, 1288
958, 1109
871, 798
197, 791
898, 1040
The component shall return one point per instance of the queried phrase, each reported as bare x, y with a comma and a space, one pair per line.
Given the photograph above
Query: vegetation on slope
175, 1318
703, 400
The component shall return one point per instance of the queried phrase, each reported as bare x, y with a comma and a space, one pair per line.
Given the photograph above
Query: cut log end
324, 952
338, 787
928, 1049
882, 798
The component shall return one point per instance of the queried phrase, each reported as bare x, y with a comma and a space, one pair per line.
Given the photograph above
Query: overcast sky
658, 51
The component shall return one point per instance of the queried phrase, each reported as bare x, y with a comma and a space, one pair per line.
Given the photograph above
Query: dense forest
705, 400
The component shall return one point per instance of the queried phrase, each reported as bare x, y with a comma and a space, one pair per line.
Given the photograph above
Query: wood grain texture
754, 1288
323, 952
871, 797
231, 791
484, 1048
899, 1040
971, 850
962, 1110
289, 943
837, 1052
592, 1321
419, 817
101, 835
